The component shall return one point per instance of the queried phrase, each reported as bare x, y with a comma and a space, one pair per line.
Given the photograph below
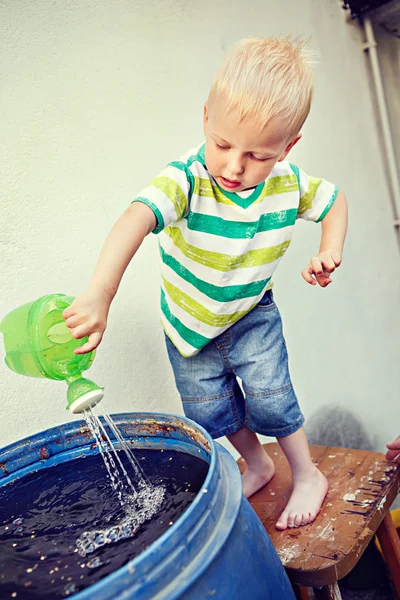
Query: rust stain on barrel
44, 453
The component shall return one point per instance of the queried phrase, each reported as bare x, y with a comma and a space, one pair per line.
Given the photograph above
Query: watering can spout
83, 394
39, 344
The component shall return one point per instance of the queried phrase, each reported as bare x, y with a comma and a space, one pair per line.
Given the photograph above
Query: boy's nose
235, 164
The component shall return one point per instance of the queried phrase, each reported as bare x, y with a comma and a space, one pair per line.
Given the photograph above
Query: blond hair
264, 78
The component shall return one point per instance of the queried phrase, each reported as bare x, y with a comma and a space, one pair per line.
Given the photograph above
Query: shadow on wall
337, 426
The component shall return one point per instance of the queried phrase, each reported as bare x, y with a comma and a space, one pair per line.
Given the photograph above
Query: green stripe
329, 205
201, 154
191, 337
273, 185
226, 262
174, 193
204, 188
307, 200
296, 171
184, 168
175, 344
281, 184
199, 312
241, 229
244, 202
226, 293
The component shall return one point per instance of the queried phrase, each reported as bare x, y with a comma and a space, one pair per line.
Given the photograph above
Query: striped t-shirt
220, 249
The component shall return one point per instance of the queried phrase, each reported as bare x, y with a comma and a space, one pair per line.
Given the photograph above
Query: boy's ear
290, 146
205, 117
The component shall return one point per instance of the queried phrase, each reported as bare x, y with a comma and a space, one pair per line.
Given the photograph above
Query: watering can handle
62, 301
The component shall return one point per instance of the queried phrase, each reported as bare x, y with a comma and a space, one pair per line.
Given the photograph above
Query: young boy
225, 213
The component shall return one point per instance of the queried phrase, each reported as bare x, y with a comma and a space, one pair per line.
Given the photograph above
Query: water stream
140, 500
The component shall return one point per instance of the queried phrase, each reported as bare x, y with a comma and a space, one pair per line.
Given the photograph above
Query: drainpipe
370, 45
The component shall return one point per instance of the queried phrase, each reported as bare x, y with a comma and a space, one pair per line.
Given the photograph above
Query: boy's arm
87, 315
334, 228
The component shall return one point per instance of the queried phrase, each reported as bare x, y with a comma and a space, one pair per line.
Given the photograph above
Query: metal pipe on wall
371, 46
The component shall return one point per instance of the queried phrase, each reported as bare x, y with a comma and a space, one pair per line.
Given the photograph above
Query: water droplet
69, 589
43, 558
112, 535
99, 539
94, 563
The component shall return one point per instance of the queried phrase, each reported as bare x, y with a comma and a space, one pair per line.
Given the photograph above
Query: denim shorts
253, 350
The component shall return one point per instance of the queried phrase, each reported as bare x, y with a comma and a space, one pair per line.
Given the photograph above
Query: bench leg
390, 544
300, 592
328, 592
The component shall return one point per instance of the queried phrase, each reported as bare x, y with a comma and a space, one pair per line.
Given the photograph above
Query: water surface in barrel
44, 513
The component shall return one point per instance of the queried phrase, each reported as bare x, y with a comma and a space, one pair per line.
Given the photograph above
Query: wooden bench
363, 485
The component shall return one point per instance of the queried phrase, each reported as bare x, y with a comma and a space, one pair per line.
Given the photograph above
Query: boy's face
240, 155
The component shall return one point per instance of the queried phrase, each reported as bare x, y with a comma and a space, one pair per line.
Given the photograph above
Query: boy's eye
220, 147
258, 158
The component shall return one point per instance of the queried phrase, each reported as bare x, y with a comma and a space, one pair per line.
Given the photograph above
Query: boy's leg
310, 486
210, 393
260, 468
260, 359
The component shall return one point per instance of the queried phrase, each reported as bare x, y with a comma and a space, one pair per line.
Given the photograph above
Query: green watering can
39, 344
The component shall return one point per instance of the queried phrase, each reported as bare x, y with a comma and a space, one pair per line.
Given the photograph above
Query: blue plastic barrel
217, 549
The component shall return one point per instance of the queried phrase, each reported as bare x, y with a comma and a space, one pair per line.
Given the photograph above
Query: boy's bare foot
306, 500
253, 479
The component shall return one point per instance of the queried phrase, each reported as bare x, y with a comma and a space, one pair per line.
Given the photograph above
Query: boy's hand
320, 268
87, 316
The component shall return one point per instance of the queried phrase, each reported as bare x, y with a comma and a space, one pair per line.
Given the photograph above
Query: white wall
96, 97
